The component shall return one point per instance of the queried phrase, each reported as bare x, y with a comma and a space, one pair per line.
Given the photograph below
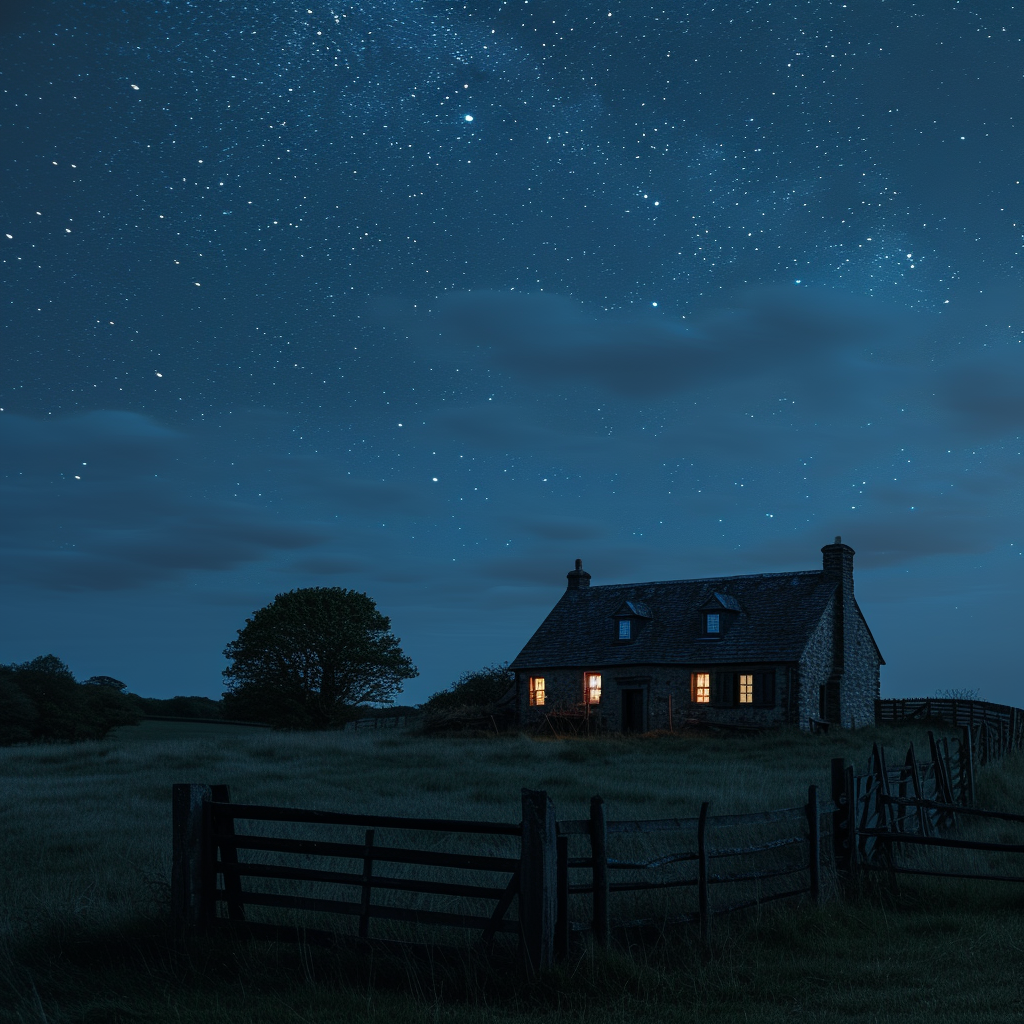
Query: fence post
599, 857
189, 853
915, 777
967, 766
850, 786
563, 926
841, 834
814, 844
223, 836
538, 876
364, 903
703, 906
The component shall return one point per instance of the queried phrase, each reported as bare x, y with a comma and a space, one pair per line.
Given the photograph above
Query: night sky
428, 300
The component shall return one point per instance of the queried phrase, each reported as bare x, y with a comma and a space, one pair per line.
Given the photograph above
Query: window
711, 623
592, 682
624, 629
746, 689
700, 687
536, 691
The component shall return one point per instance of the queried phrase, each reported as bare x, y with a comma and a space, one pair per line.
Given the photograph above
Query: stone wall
564, 688
814, 670
861, 677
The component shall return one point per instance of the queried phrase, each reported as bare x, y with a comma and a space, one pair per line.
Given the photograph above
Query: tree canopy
311, 658
40, 701
478, 688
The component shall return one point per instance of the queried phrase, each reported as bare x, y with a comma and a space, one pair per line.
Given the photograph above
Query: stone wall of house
860, 686
564, 688
814, 669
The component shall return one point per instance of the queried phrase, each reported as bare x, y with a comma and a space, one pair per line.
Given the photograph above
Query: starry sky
429, 299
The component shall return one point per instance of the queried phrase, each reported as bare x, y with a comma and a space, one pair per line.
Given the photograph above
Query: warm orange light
593, 688
537, 691
700, 683
746, 689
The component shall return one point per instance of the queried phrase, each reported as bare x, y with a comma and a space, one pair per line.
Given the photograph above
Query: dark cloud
986, 393
112, 500
793, 335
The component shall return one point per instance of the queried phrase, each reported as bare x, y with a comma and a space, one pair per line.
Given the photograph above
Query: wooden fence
378, 722
212, 859
995, 729
888, 819
745, 864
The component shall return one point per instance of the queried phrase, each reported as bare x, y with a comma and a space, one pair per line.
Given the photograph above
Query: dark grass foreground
84, 857
948, 954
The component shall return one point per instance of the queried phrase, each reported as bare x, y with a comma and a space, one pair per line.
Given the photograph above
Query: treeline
42, 702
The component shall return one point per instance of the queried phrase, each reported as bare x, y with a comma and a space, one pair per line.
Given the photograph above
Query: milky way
428, 300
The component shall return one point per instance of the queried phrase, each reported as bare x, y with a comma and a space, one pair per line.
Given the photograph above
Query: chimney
837, 562
578, 579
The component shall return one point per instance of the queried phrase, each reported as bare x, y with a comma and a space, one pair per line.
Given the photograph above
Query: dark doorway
632, 710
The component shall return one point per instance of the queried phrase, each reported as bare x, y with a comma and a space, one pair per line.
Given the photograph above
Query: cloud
109, 500
793, 335
985, 393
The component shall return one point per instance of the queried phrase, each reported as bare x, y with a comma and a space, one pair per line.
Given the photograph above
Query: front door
632, 710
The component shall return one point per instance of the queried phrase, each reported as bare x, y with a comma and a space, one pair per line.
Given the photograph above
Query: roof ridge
709, 579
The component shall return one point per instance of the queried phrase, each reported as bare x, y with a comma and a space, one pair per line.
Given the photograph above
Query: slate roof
778, 613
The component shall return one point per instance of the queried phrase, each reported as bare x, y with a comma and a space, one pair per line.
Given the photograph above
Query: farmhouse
761, 650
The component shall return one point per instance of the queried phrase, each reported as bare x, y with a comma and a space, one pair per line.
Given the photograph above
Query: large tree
311, 657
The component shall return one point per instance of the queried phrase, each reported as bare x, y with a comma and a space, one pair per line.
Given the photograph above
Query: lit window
593, 682
701, 686
536, 691
746, 689
712, 622
624, 629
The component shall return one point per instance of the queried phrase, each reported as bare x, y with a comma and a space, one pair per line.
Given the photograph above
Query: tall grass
85, 864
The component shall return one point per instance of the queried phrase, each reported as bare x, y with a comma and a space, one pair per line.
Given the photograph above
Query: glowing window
536, 691
593, 685
746, 689
712, 622
701, 686
624, 625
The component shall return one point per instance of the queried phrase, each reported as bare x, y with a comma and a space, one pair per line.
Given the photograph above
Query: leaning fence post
538, 875
841, 834
814, 844
851, 790
190, 848
599, 858
703, 907
563, 926
967, 766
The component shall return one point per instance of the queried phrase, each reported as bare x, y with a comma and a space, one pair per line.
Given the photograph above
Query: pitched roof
778, 612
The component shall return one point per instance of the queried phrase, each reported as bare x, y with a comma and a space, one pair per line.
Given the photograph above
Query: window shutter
724, 689
764, 689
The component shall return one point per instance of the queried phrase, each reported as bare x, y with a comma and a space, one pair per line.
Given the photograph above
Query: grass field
85, 862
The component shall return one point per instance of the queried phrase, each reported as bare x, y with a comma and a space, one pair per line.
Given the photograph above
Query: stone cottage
769, 649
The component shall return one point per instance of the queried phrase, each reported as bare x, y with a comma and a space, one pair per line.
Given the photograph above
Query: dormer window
717, 615
631, 619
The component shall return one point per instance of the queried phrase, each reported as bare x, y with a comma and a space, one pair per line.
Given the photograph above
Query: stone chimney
578, 579
837, 562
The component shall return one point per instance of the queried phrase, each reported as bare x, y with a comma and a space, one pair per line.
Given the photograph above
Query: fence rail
996, 729
874, 829
216, 879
